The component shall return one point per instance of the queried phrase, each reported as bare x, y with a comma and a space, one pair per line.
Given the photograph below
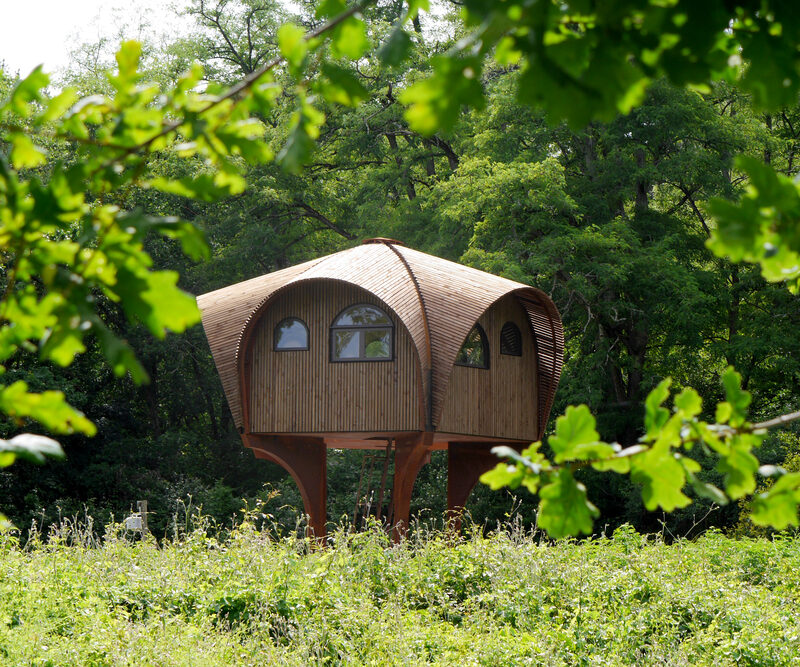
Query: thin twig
777, 421
245, 83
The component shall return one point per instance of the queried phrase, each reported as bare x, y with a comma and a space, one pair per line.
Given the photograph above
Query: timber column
466, 462
306, 460
410, 456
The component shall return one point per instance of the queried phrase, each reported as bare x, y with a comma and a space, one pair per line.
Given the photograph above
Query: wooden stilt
384, 473
410, 456
358, 491
466, 462
306, 461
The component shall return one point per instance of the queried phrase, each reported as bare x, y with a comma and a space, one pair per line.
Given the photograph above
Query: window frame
362, 342
518, 338
275, 347
486, 349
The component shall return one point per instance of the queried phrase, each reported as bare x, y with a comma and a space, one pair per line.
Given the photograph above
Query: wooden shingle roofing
437, 300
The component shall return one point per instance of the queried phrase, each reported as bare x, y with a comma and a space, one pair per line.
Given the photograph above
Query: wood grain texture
225, 313
500, 401
303, 391
437, 301
548, 338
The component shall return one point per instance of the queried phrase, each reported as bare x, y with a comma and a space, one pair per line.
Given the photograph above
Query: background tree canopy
621, 157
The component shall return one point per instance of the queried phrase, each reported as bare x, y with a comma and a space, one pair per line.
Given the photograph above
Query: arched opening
474, 350
315, 391
290, 334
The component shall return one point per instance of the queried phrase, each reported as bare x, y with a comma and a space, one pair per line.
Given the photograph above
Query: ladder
366, 480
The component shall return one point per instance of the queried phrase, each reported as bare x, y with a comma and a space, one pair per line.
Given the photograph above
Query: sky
33, 32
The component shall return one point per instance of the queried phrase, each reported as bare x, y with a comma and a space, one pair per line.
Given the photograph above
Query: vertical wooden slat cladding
380, 269
500, 401
225, 312
303, 391
436, 300
455, 297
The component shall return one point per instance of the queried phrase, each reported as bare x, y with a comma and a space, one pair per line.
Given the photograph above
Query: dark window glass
511, 340
362, 333
475, 350
291, 334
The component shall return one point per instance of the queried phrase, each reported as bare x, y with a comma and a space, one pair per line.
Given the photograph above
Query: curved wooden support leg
410, 456
466, 462
306, 460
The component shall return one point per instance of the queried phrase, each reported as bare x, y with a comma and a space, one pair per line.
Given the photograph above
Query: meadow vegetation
251, 596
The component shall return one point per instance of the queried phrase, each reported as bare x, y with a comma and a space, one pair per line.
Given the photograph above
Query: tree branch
313, 213
777, 421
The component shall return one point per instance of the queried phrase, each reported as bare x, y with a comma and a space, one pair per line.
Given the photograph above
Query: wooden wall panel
501, 401
225, 312
302, 391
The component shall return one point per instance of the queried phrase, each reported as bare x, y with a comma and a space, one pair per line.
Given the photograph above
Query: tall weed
252, 595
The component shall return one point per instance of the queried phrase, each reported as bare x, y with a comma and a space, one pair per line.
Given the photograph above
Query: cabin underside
305, 457
378, 440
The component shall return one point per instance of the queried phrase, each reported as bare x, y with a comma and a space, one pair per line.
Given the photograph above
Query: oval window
475, 350
291, 334
362, 333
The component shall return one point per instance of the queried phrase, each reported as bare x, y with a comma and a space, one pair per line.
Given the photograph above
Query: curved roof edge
437, 300
243, 340
224, 313
549, 340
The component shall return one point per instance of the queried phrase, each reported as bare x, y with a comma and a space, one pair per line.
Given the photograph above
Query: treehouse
383, 347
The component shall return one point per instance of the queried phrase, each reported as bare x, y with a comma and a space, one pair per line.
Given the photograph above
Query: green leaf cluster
762, 226
660, 464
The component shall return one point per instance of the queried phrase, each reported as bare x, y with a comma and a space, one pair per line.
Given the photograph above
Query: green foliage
428, 108
583, 63
71, 242
28, 447
762, 226
659, 464
34, 448
564, 508
612, 216
60, 232
255, 598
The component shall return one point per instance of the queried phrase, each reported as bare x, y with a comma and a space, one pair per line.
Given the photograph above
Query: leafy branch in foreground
660, 464
29, 447
67, 165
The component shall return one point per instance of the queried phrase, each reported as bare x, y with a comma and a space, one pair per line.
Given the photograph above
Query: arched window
475, 350
362, 333
511, 340
291, 334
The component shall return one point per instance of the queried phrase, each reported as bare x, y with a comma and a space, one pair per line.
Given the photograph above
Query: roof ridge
426, 325
468, 268
261, 303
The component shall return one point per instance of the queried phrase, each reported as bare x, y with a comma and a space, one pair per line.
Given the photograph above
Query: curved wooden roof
437, 300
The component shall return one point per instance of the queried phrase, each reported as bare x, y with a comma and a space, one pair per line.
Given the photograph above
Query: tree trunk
410, 189
642, 186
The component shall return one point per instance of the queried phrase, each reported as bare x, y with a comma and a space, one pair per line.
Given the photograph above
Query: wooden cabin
384, 347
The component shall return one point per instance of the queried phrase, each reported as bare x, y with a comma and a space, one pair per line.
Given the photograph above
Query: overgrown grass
508, 599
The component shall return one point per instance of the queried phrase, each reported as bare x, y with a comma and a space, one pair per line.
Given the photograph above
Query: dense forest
611, 220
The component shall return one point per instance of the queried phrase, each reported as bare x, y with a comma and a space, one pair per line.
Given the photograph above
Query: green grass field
509, 599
